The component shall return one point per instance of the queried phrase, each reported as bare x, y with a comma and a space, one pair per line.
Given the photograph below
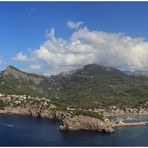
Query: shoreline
113, 125
109, 115
71, 118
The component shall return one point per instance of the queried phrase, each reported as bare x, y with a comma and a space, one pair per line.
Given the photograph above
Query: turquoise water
27, 131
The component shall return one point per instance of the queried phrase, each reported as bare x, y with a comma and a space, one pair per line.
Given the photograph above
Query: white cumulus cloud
74, 25
20, 57
85, 47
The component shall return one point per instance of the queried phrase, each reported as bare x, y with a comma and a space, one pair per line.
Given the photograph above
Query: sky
51, 37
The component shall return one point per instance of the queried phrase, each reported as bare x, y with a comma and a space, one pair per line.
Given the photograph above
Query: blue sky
24, 29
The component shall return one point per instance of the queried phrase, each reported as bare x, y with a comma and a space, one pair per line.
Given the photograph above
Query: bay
16, 130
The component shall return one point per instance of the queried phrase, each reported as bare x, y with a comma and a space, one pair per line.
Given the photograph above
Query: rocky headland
86, 123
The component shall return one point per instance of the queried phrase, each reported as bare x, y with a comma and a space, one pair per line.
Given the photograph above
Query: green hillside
89, 87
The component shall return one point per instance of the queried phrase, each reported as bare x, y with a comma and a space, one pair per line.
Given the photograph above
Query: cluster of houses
23, 99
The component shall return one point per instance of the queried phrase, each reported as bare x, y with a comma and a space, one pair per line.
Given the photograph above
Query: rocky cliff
86, 123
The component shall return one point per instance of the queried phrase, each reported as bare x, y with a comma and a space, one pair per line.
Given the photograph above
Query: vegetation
13, 87
90, 87
2, 105
88, 113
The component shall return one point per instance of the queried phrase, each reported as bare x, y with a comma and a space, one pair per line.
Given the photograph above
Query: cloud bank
85, 47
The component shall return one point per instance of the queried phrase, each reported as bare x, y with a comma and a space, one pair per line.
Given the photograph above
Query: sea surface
18, 130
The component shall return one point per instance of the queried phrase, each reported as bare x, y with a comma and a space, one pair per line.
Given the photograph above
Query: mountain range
90, 86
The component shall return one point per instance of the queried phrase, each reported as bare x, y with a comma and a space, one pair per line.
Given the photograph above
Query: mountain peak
10, 67
12, 73
94, 69
95, 66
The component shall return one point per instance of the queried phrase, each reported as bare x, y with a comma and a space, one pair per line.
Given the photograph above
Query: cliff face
44, 113
85, 123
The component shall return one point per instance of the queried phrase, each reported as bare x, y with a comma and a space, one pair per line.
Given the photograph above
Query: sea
16, 130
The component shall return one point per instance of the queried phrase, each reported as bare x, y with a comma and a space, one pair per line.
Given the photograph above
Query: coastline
105, 127
101, 120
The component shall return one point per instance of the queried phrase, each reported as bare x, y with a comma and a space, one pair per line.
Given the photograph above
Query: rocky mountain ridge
91, 86
12, 73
